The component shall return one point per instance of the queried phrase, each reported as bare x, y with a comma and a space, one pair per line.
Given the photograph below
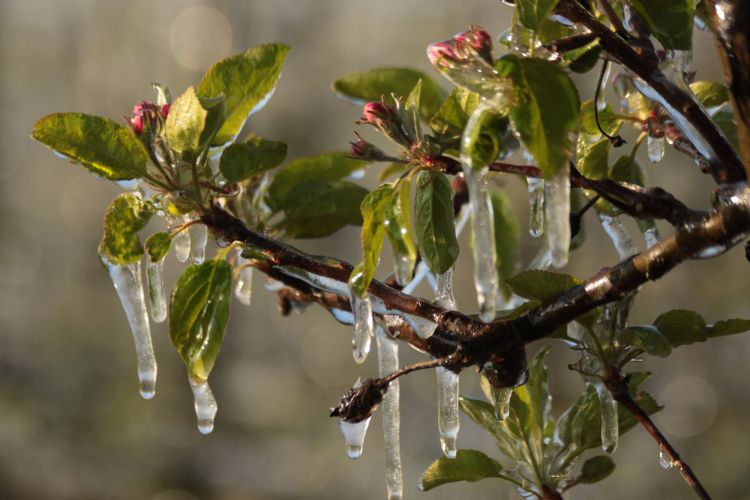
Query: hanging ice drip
387, 364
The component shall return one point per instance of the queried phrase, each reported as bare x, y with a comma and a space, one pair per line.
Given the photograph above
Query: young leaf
247, 81
322, 167
596, 469
531, 13
469, 465
648, 338
434, 222
546, 110
157, 246
185, 124
483, 414
681, 327
627, 169
242, 161
198, 314
319, 208
374, 211
542, 286
710, 94
530, 404
382, 82
454, 112
485, 142
398, 224
99, 144
609, 122
670, 21
728, 327
126, 215
506, 234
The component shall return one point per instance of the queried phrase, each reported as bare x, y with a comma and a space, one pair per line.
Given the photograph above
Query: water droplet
536, 207
354, 435
665, 461
204, 403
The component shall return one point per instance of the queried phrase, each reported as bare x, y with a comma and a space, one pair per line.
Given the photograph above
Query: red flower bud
144, 110
442, 53
387, 119
165, 111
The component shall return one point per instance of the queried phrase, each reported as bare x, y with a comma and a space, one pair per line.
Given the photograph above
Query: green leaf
454, 112
185, 124
627, 169
542, 286
546, 110
374, 212
728, 327
531, 13
670, 21
648, 338
242, 161
592, 157
584, 59
322, 167
198, 314
682, 327
157, 246
483, 414
531, 401
608, 120
126, 215
319, 208
382, 82
413, 119
99, 144
484, 142
434, 221
710, 94
724, 118
506, 234
247, 81
469, 465
596, 469
398, 224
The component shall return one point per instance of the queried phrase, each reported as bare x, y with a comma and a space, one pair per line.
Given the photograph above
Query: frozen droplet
665, 461
387, 364
354, 435
619, 235
536, 206
655, 148
448, 423
403, 267
198, 240
557, 214
243, 288
501, 397
205, 404
129, 285
610, 426
157, 299
181, 243
363, 326
482, 217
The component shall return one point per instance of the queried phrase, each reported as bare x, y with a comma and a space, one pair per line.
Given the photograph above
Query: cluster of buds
388, 120
147, 114
367, 151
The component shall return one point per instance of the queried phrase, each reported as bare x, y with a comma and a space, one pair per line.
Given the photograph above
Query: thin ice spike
388, 363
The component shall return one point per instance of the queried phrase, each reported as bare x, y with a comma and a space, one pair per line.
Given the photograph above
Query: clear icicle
448, 423
482, 219
181, 243
664, 459
205, 404
157, 299
501, 397
198, 240
536, 206
444, 294
243, 288
619, 235
655, 148
557, 214
129, 285
610, 425
354, 433
543, 258
403, 267
649, 231
363, 326
388, 363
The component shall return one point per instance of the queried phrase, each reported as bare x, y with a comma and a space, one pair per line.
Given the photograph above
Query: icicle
354, 433
649, 231
388, 363
205, 404
129, 286
198, 240
157, 299
448, 423
557, 214
655, 148
543, 258
501, 397
362, 308
536, 206
482, 218
665, 461
619, 235
181, 243
610, 425
444, 296
402, 268
243, 288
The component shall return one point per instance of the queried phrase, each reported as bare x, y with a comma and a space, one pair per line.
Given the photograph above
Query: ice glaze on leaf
469, 465
315, 209
670, 21
434, 222
198, 314
242, 161
157, 245
99, 144
126, 215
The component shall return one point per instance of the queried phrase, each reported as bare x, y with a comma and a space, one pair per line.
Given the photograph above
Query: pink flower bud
365, 150
137, 123
442, 53
165, 111
376, 112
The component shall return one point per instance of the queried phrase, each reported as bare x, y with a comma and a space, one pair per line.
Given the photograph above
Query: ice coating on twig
610, 427
204, 403
536, 206
198, 240
387, 364
157, 299
448, 423
619, 235
557, 214
363, 326
129, 285
482, 218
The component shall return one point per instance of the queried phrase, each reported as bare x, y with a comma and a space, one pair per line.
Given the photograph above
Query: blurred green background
72, 425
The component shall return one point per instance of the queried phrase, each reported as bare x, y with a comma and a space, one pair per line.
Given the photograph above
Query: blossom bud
479, 40
387, 119
366, 151
145, 114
